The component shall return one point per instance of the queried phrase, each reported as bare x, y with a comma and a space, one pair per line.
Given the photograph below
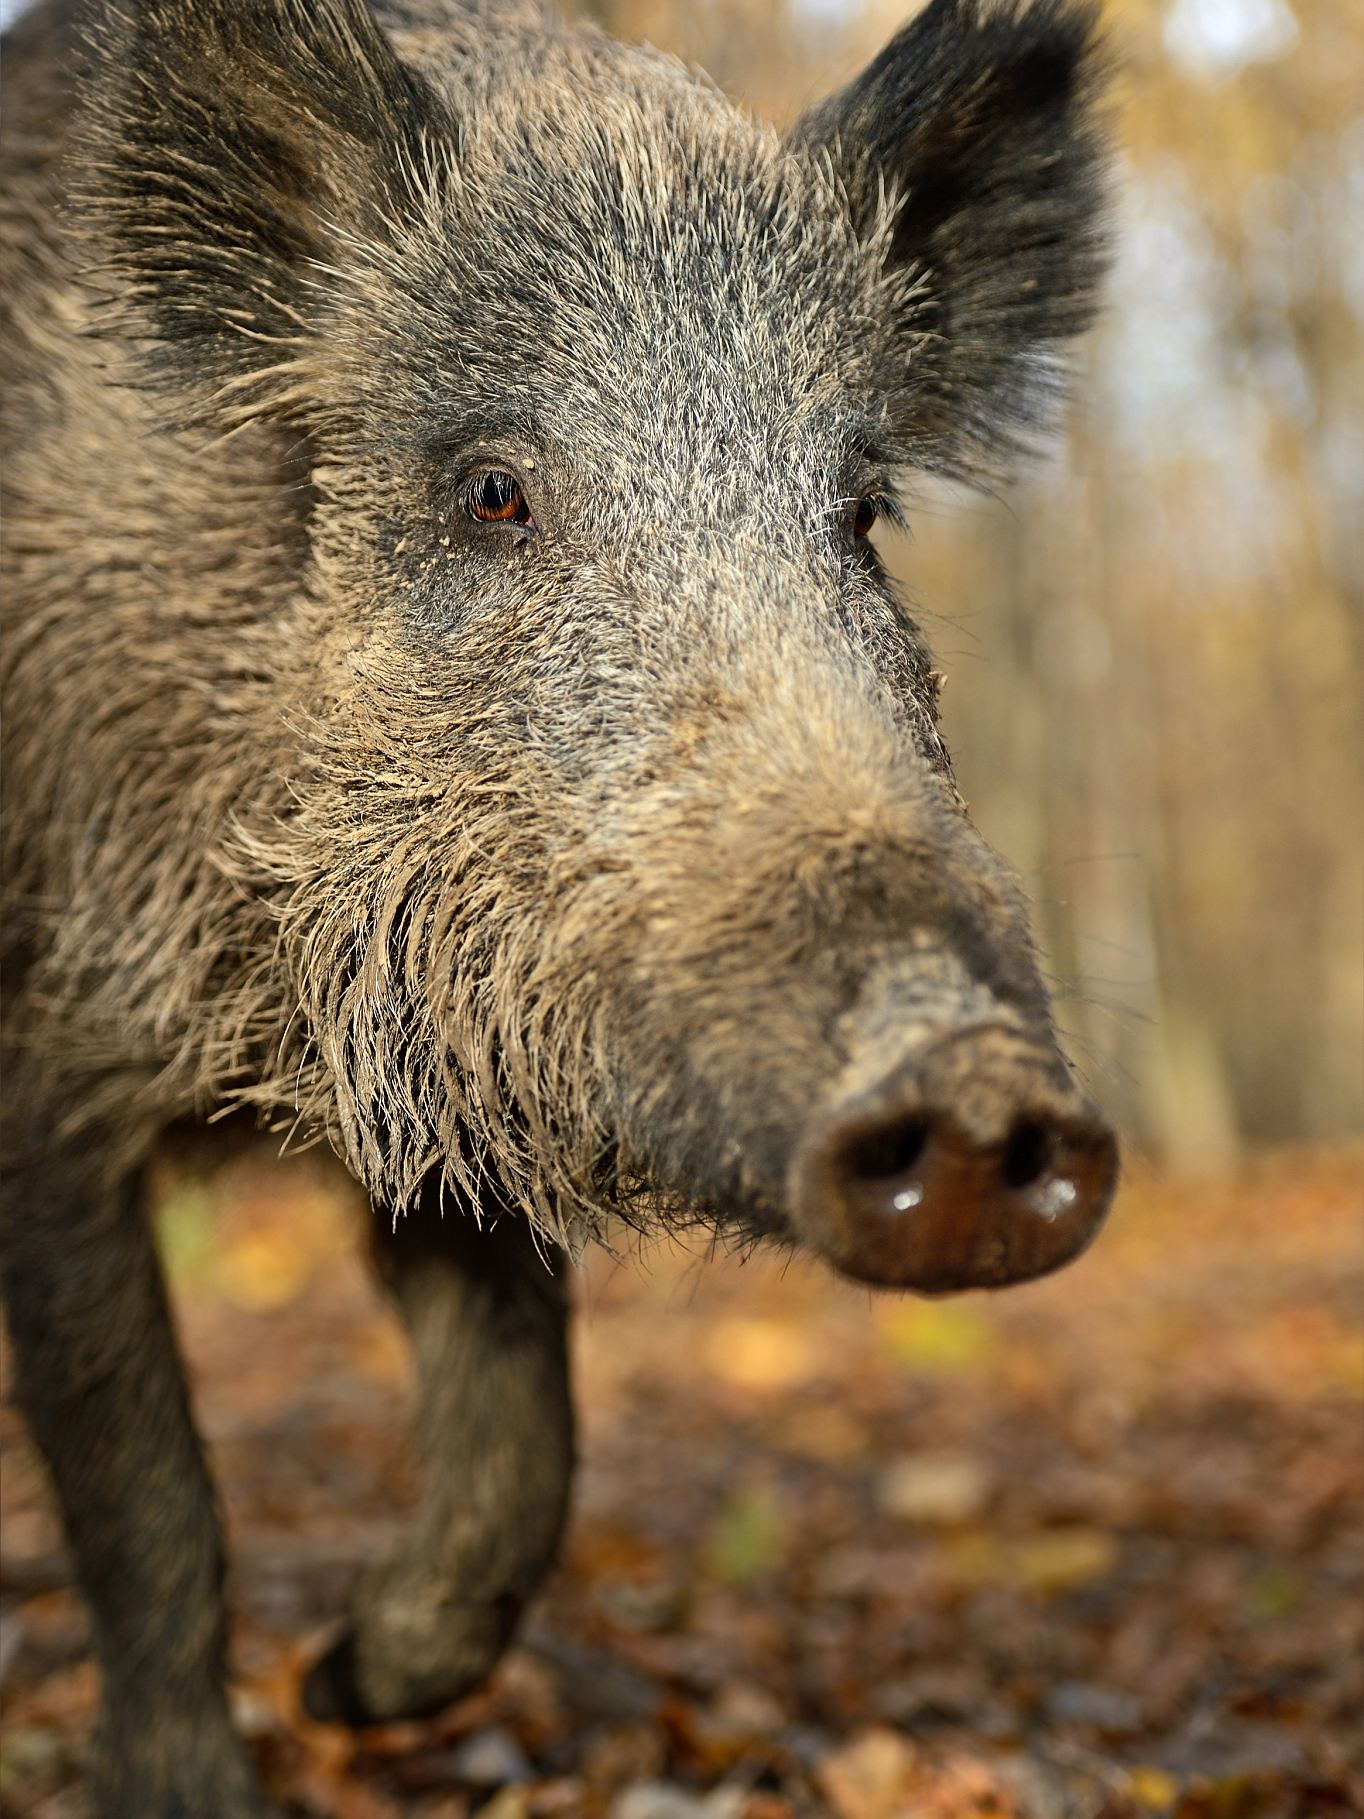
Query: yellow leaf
1055, 1560
264, 1270
1152, 1788
1049, 1560
939, 1338
509, 1803
760, 1354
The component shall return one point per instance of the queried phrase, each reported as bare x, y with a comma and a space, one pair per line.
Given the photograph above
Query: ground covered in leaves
1092, 1546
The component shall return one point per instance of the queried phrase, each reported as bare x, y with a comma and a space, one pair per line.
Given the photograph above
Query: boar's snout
975, 1165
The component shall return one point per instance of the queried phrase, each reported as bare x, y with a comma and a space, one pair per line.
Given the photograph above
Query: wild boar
453, 704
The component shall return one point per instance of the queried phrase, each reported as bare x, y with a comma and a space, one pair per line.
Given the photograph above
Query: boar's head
620, 865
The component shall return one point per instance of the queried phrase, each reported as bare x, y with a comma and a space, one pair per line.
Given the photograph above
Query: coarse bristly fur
561, 868
354, 821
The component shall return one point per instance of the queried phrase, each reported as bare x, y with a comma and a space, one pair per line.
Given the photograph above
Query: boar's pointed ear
971, 146
228, 146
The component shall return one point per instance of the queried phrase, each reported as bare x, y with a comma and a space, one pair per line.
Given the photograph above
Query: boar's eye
868, 511
496, 498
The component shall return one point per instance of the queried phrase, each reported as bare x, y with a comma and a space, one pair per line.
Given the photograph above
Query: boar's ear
228, 146
971, 144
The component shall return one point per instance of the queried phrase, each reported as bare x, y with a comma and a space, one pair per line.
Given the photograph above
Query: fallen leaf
868, 1777
509, 1803
1251, 1796
185, 1224
264, 1270
760, 1354
561, 1795
963, 1787
623, 1754
1057, 1560
1048, 1561
762, 1805
937, 1338
745, 1707
747, 1539
666, 1800
1152, 1788
490, 1758
934, 1487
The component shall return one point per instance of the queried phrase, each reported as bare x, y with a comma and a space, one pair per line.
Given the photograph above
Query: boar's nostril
877, 1155
1028, 1153
909, 1185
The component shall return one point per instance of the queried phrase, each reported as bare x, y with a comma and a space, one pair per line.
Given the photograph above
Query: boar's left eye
496, 498
868, 511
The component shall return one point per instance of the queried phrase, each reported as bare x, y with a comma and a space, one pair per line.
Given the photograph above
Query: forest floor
1092, 1546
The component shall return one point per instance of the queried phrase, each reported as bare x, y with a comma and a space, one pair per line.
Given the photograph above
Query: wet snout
977, 1164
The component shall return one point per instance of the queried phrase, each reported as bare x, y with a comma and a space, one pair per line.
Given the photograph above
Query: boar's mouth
977, 1165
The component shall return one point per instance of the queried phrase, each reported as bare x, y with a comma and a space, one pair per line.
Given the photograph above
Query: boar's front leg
99, 1378
487, 1312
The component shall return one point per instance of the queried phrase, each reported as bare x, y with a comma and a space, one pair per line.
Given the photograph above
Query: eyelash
496, 497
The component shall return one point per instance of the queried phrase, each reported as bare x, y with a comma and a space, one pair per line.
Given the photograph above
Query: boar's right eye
496, 498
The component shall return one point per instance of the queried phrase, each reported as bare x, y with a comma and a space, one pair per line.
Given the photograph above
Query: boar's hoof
978, 1165
359, 1682
332, 1695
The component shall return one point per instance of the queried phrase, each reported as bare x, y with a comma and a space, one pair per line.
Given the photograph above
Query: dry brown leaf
869, 1777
